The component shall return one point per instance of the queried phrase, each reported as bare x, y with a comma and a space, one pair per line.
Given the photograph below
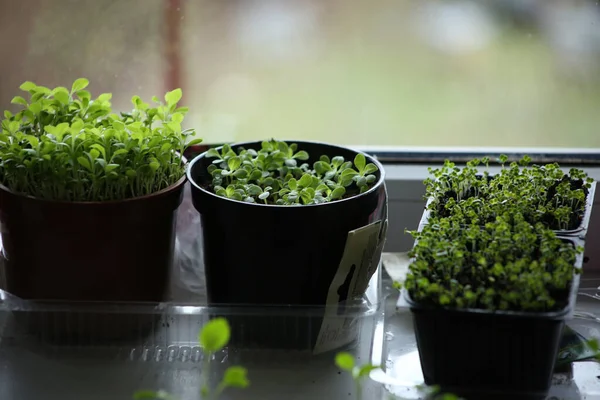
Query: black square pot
480, 354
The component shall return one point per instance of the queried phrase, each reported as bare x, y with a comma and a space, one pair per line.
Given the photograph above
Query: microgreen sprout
502, 266
66, 145
276, 174
345, 361
540, 193
213, 337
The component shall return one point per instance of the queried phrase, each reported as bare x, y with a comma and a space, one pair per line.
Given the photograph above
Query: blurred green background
381, 73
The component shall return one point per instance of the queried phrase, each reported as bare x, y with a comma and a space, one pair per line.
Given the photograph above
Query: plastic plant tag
360, 260
573, 347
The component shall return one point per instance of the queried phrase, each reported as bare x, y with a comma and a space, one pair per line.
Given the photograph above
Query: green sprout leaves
489, 242
236, 377
66, 145
346, 362
502, 266
215, 335
540, 193
275, 174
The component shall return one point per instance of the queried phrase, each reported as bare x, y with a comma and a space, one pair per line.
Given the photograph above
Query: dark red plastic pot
278, 255
118, 251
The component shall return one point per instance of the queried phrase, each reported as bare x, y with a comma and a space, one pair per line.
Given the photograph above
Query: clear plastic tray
57, 350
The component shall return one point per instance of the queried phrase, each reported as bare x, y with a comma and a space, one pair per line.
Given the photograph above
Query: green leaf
338, 193
61, 96
240, 174
306, 180
173, 97
35, 108
236, 377
84, 95
195, 142
84, 162
104, 97
359, 162
14, 126
177, 117
337, 161
344, 361
301, 155
27, 86
349, 173
254, 190
307, 195
79, 84
264, 195
19, 100
361, 181
119, 152
110, 167
62, 128
293, 184
215, 334
212, 153
370, 168
321, 167
234, 163
32, 140
365, 370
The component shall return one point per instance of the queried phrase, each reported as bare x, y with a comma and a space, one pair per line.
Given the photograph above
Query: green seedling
346, 362
66, 145
275, 175
503, 266
543, 194
213, 337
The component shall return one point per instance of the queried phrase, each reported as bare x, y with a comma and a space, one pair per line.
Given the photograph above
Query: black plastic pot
480, 354
279, 255
119, 251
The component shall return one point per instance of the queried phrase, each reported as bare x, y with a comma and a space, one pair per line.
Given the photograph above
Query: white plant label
360, 260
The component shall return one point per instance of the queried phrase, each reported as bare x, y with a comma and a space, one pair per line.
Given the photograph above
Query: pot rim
375, 187
170, 188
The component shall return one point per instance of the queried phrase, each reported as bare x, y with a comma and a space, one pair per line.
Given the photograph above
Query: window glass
380, 73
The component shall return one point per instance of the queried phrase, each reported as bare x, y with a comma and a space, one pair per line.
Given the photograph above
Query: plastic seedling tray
60, 350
